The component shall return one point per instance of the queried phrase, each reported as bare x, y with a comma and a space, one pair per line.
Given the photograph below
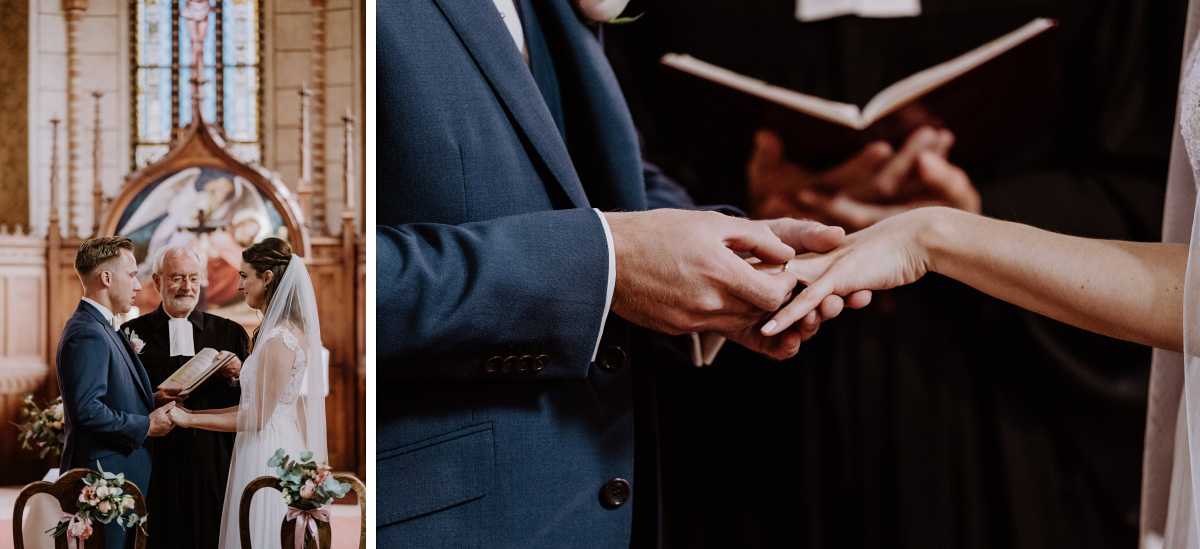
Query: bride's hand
883, 256
179, 417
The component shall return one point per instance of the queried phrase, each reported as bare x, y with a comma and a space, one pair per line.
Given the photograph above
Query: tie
542, 64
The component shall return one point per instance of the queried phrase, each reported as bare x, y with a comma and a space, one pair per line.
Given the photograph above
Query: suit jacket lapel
600, 129
483, 33
140, 379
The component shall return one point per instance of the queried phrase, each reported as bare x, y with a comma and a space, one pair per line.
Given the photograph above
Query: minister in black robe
938, 416
191, 466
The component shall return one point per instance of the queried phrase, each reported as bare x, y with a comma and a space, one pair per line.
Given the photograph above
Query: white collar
104, 312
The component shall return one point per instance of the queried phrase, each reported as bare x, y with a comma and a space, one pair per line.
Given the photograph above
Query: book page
900, 93
194, 371
841, 113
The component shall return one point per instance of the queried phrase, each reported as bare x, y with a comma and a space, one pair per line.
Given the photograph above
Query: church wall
24, 368
14, 100
289, 65
104, 59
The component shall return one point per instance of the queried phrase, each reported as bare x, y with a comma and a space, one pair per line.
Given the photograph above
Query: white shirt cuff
612, 280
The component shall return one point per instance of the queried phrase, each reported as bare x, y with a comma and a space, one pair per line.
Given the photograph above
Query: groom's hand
164, 396
679, 271
160, 422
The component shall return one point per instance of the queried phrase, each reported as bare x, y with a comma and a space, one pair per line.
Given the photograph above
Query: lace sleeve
280, 360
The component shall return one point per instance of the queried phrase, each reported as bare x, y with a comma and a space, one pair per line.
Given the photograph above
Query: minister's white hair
178, 249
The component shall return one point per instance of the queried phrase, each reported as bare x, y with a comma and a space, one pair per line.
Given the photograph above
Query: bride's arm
1128, 290
222, 420
215, 410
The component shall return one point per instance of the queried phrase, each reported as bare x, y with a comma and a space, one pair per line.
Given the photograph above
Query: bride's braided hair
272, 254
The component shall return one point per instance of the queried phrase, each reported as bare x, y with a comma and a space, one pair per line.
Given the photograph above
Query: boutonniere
134, 340
605, 11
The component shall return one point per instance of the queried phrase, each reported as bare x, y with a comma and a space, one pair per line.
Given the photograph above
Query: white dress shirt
104, 312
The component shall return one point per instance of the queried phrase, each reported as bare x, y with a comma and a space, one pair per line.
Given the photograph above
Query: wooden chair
66, 490
288, 531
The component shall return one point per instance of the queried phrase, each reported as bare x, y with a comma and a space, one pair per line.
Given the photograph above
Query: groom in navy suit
523, 248
106, 392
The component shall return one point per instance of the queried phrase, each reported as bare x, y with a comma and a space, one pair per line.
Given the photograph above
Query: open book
195, 371
986, 96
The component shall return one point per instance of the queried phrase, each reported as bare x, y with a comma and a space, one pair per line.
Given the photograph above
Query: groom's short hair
96, 252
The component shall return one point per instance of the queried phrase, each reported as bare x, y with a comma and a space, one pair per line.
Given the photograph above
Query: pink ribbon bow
73, 541
306, 518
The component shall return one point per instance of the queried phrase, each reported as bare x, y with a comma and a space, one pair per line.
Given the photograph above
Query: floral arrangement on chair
101, 500
307, 486
42, 427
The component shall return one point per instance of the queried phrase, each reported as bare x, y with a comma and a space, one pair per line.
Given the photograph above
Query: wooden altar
39, 289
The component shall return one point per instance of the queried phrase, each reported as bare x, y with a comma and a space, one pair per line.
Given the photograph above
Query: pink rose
104, 507
137, 345
81, 528
602, 10
102, 491
308, 490
321, 478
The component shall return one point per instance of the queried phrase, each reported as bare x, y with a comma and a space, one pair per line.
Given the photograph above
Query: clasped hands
700, 279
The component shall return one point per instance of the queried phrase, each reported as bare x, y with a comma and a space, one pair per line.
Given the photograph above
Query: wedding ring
785, 268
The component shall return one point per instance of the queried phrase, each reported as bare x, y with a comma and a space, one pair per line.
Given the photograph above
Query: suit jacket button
492, 364
611, 359
524, 363
540, 362
615, 493
506, 367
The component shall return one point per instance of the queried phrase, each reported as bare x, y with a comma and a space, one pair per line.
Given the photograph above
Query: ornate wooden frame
200, 147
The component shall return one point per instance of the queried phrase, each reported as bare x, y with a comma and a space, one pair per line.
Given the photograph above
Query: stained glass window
231, 98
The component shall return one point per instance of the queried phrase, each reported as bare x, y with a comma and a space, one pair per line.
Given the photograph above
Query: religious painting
218, 212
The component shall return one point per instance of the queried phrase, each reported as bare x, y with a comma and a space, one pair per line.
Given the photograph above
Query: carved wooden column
304, 189
73, 9
54, 236
319, 224
350, 375
97, 162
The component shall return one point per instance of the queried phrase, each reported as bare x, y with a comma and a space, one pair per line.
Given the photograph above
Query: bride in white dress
1143, 292
282, 403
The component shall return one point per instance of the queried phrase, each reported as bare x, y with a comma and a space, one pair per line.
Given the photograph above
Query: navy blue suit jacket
487, 248
107, 399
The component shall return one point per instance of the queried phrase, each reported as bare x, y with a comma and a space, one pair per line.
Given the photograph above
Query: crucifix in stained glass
219, 42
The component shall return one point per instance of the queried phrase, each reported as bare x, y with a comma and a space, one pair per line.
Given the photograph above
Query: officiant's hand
165, 396
875, 184
678, 271
232, 369
160, 421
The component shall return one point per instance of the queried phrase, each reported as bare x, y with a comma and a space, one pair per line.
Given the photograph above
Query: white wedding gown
1171, 464
282, 406
253, 448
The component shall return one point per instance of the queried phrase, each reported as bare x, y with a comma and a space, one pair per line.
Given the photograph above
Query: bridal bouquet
306, 484
101, 500
43, 427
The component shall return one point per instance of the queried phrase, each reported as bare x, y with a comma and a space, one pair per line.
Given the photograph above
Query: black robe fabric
191, 466
937, 417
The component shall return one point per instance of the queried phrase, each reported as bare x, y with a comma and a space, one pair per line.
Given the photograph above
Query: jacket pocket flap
434, 474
